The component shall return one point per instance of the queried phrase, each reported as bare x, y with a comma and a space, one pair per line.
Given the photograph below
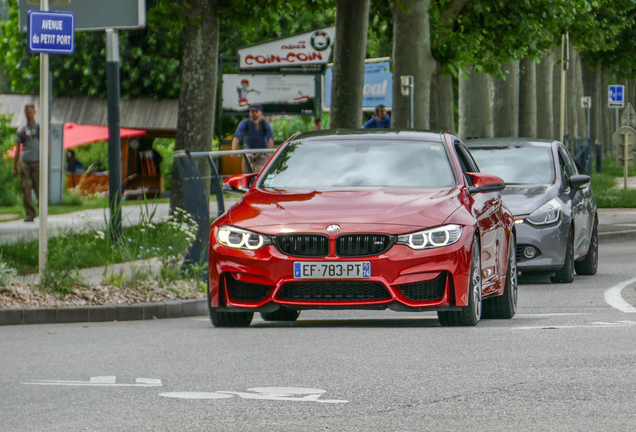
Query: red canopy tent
78, 135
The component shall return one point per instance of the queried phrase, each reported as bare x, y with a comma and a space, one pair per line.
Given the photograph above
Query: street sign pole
43, 199
48, 33
114, 141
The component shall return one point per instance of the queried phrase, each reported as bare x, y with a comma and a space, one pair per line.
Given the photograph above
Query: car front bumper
401, 279
550, 242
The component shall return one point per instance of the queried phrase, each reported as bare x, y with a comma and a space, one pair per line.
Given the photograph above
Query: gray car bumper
550, 242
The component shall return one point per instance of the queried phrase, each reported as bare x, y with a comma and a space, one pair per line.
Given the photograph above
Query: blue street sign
616, 96
51, 32
378, 85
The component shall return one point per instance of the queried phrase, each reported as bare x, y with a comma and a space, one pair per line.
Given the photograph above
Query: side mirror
483, 182
577, 182
239, 183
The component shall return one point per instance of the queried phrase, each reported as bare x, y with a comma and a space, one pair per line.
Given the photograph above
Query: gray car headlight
547, 214
238, 238
432, 238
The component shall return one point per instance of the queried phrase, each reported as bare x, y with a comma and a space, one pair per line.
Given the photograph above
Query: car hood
524, 199
419, 208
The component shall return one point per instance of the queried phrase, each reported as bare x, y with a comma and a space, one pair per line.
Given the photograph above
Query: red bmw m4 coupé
365, 220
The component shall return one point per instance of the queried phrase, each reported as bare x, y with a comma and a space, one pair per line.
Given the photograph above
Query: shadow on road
371, 323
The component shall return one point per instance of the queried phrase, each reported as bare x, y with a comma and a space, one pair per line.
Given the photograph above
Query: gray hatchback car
553, 205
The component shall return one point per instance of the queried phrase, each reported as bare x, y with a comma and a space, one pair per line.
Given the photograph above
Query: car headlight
547, 214
432, 238
241, 239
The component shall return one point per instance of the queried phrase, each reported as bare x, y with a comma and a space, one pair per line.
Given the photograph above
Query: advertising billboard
310, 48
378, 85
279, 94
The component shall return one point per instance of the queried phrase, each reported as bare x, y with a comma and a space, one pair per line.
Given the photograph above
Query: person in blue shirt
255, 132
381, 119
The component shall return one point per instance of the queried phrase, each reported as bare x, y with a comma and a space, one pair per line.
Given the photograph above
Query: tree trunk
556, 94
352, 22
411, 29
527, 98
442, 115
581, 113
197, 95
592, 87
572, 102
545, 118
505, 107
475, 105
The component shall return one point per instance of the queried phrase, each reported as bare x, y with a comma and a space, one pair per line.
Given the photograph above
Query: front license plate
330, 270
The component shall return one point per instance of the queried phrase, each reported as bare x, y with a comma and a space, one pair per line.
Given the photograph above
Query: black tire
505, 306
231, 319
566, 274
588, 266
281, 315
471, 314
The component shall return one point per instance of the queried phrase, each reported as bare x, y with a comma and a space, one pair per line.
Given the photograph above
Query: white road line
614, 299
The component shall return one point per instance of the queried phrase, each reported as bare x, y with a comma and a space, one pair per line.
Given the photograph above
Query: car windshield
347, 163
516, 164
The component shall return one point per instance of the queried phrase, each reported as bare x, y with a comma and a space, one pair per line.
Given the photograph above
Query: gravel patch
21, 296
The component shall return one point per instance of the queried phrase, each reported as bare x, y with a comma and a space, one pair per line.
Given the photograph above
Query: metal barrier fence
194, 195
582, 150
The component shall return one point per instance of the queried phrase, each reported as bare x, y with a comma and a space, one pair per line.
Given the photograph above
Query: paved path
88, 219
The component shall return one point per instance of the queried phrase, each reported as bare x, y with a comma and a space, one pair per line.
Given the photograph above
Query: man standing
27, 153
381, 119
256, 133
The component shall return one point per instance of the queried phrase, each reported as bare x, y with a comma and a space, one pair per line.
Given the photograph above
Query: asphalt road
566, 362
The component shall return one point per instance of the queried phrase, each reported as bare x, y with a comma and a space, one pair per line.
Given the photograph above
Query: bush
95, 154
10, 192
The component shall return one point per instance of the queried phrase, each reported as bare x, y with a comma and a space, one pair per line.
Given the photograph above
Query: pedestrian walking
256, 133
27, 157
381, 119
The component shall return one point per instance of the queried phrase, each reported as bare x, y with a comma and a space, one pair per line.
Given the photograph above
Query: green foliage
10, 191
94, 156
71, 251
149, 58
165, 147
608, 193
286, 126
6, 272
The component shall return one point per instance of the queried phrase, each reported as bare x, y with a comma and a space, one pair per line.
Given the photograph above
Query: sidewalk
88, 219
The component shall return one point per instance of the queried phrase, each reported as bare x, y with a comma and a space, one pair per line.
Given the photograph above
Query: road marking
540, 315
292, 394
596, 325
101, 381
195, 395
614, 298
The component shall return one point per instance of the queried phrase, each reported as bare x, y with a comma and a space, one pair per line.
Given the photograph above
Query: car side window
567, 168
466, 161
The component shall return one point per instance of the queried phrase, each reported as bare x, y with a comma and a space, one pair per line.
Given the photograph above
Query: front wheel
231, 319
470, 314
589, 265
505, 306
566, 274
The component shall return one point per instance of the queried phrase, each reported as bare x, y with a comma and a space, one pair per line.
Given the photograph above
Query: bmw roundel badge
333, 228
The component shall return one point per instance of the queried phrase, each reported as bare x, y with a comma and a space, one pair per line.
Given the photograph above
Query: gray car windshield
373, 163
516, 165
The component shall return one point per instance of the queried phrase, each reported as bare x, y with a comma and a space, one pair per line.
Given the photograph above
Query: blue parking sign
616, 96
51, 32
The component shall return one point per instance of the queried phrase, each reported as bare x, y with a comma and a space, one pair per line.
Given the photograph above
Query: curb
128, 312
